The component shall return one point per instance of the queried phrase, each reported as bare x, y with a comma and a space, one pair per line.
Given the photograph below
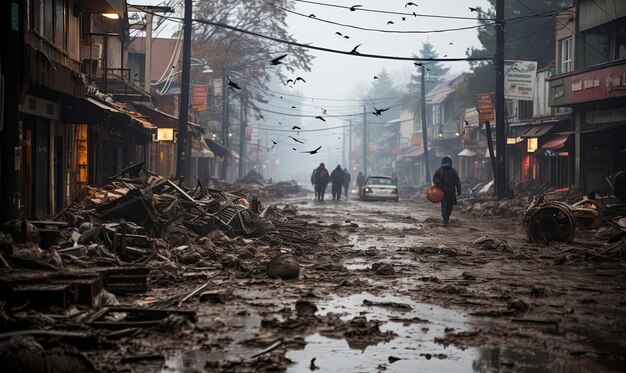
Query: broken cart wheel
552, 222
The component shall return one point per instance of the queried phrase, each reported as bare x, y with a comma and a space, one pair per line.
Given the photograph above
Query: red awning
556, 143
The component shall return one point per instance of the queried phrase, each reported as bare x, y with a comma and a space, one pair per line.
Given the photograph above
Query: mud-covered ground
389, 288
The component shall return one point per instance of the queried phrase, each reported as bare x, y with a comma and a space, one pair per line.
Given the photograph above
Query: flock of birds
291, 82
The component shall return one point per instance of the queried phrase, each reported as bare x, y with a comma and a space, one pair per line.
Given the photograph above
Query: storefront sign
484, 105
533, 144
589, 86
165, 134
199, 97
520, 78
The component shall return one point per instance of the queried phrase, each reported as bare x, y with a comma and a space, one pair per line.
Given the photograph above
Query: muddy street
386, 288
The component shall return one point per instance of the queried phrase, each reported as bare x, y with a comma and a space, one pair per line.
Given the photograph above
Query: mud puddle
416, 326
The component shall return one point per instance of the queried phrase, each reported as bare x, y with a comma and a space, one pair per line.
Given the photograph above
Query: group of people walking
446, 177
340, 179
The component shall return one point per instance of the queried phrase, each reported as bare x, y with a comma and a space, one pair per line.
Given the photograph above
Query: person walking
346, 181
360, 181
321, 181
336, 177
447, 179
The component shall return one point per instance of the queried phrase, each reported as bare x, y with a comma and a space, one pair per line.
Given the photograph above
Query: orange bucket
434, 194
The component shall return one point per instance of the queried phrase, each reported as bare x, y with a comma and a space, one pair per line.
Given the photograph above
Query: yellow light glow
510, 140
165, 134
111, 15
532, 145
563, 154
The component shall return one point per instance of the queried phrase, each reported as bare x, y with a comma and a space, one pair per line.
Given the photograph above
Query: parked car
379, 188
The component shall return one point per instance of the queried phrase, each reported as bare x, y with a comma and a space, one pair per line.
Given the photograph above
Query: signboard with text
520, 78
199, 96
484, 105
588, 86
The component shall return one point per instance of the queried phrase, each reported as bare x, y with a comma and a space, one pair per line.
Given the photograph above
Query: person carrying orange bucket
448, 180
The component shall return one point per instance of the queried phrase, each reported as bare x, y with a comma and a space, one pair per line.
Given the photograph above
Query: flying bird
296, 140
346, 37
296, 128
320, 118
293, 107
261, 116
232, 84
414, 14
324, 110
313, 151
299, 78
288, 81
338, 33
379, 111
276, 61
375, 77
274, 142
409, 4
353, 7
404, 18
445, 55
311, 15
294, 149
417, 63
450, 43
466, 122
473, 9
353, 51
390, 22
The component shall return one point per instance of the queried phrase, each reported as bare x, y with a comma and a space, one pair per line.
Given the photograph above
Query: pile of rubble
256, 186
139, 230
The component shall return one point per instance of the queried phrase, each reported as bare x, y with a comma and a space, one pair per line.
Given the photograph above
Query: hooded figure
447, 179
321, 181
346, 181
336, 177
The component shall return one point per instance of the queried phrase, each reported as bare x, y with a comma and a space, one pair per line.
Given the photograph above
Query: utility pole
225, 109
242, 135
183, 113
147, 81
343, 142
365, 144
501, 176
424, 127
350, 146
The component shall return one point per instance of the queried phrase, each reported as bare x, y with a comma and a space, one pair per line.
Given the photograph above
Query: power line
360, 9
323, 49
292, 131
381, 30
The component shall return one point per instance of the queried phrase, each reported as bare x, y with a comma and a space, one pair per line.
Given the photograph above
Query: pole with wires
183, 116
501, 177
424, 127
365, 144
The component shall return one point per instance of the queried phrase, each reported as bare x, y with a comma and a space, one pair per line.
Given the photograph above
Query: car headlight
367, 190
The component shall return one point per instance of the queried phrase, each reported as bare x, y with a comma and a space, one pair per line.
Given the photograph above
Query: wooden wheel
553, 222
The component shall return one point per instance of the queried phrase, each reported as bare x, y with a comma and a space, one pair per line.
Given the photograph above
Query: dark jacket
321, 176
360, 180
337, 176
448, 180
346, 179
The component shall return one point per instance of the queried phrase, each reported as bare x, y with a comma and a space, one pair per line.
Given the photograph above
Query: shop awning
537, 130
467, 153
556, 143
414, 152
102, 105
164, 120
216, 148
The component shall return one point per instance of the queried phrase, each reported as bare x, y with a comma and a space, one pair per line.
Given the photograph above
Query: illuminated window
532, 144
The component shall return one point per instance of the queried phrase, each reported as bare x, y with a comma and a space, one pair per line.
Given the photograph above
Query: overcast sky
344, 77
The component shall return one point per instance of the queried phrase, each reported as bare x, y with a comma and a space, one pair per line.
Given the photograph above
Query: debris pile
141, 230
